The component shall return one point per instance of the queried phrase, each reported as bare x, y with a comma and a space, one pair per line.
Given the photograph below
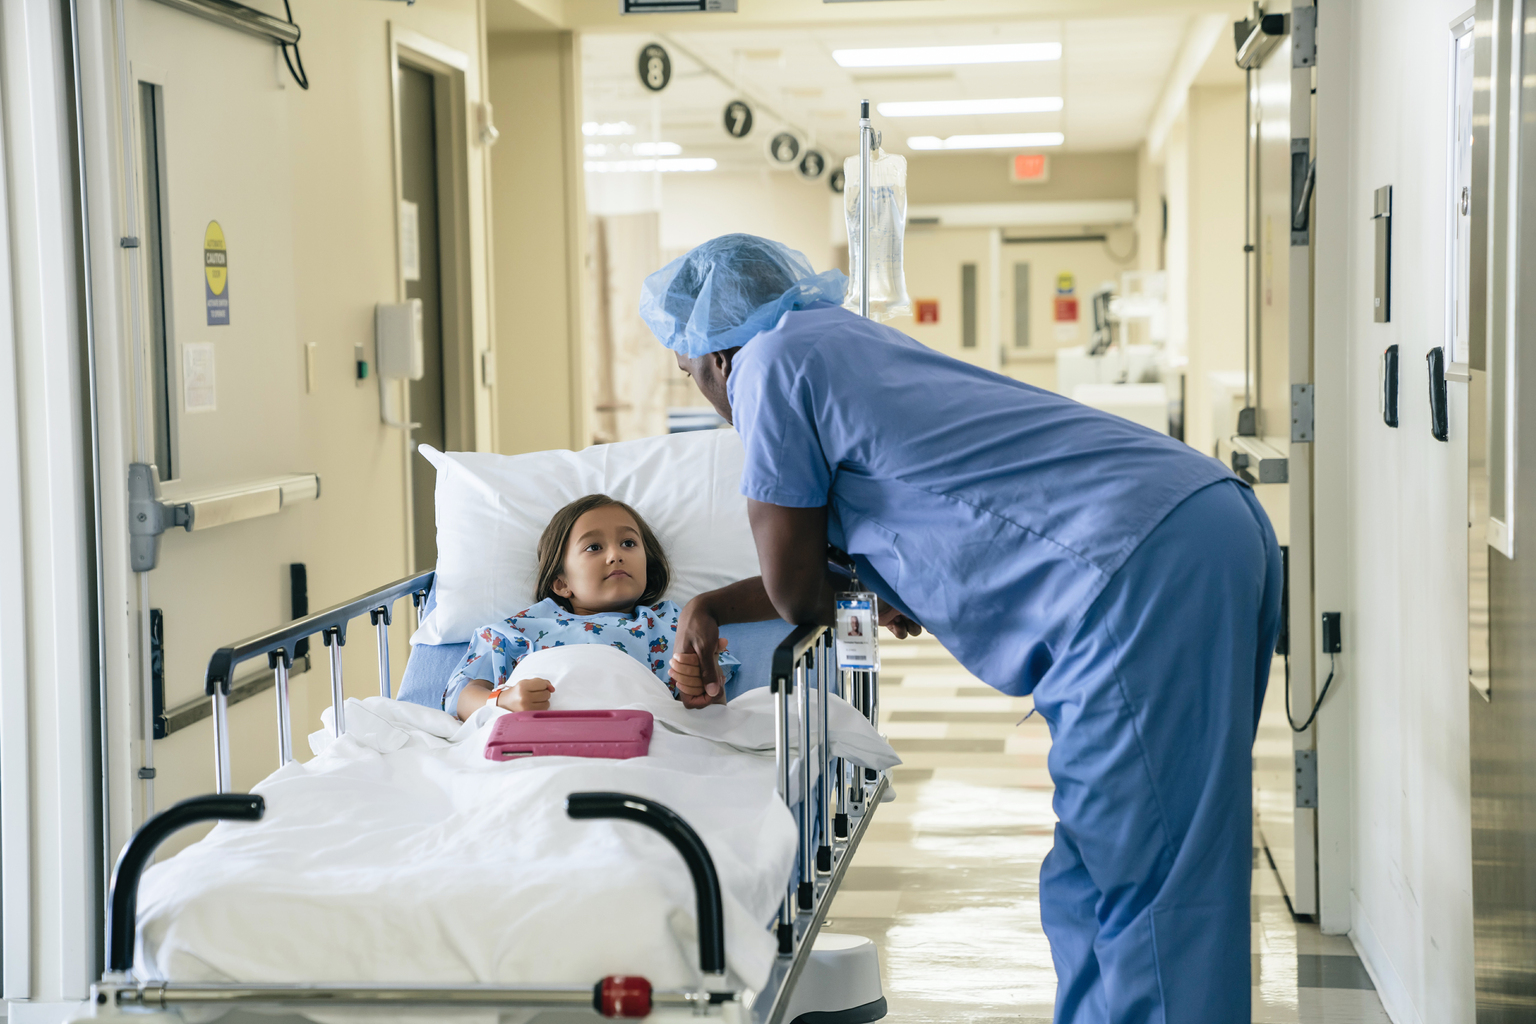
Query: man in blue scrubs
1127, 582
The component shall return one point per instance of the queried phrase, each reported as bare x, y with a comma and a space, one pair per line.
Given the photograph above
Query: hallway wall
1398, 725
1203, 185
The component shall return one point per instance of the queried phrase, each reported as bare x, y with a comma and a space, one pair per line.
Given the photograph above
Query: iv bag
887, 225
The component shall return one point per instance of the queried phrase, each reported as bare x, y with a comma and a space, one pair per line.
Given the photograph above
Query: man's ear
722, 361
561, 587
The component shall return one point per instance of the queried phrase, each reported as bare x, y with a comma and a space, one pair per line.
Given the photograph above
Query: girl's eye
593, 547
629, 544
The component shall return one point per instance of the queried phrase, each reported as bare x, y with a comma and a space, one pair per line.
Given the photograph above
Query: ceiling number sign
835, 180
812, 164
738, 119
655, 67
784, 148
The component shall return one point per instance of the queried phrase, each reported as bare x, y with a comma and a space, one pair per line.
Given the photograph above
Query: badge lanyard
858, 616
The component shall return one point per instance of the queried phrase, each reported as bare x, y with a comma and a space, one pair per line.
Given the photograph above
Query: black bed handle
706, 883
122, 920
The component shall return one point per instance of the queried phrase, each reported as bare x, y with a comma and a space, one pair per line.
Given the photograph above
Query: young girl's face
604, 563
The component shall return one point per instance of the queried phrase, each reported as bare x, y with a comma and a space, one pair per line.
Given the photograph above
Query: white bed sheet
400, 854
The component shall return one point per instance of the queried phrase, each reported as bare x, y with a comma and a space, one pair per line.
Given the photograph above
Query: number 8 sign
655, 67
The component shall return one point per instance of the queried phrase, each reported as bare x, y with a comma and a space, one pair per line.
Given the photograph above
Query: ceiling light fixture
946, 108
608, 128
650, 166
927, 56
1017, 140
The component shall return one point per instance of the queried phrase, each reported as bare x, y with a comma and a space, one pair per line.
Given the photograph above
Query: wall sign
738, 119
216, 274
198, 390
812, 164
927, 310
784, 148
655, 67
1030, 168
835, 180
1065, 307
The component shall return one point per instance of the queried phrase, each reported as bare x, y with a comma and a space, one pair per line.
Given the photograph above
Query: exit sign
1031, 167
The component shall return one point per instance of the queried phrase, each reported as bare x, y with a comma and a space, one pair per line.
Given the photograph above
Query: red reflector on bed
621, 995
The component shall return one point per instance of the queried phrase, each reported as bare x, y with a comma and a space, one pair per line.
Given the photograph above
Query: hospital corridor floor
946, 880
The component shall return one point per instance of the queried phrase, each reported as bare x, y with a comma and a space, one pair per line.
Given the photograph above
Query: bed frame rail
278, 646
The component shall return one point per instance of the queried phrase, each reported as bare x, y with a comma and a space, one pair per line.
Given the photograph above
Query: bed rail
278, 645
832, 823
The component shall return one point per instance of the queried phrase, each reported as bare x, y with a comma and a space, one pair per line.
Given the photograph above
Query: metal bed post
866, 143
278, 659
221, 740
840, 821
805, 817
824, 755
860, 691
335, 640
380, 618
781, 689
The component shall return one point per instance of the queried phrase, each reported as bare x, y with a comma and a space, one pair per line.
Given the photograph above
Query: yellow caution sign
216, 274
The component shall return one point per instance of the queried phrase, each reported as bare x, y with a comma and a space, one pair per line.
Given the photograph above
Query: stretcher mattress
400, 854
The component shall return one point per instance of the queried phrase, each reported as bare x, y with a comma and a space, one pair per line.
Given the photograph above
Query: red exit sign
1031, 167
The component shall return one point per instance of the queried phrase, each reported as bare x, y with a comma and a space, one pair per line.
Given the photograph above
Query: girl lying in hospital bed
601, 576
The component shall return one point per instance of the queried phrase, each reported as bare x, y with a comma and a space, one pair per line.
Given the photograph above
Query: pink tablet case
617, 734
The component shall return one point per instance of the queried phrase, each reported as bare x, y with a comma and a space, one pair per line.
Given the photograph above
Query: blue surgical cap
728, 290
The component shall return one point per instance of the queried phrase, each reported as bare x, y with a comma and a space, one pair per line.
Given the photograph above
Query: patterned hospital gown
646, 634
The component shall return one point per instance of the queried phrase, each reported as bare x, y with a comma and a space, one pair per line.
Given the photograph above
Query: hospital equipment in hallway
832, 809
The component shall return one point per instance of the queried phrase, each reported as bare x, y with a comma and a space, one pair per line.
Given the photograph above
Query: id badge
858, 645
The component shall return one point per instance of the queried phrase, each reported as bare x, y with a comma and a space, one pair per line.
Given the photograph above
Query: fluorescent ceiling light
638, 149
926, 56
609, 128
650, 166
944, 108
1018, 140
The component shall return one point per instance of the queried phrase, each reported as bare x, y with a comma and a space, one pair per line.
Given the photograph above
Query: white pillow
492, 508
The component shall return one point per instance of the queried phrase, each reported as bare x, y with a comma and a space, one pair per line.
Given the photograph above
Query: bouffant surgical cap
728, 290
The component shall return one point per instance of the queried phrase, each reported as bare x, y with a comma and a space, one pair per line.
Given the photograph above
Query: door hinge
1301, 412
1306, 778
1304, 36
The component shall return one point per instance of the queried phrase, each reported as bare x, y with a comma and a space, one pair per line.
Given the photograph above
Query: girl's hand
526, 695
689, 679
698, 644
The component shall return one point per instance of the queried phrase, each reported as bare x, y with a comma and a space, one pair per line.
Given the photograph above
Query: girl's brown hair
552, 544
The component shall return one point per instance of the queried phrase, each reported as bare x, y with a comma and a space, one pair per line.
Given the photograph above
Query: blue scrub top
990, 511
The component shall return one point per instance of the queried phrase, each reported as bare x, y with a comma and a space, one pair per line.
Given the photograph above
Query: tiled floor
946, 881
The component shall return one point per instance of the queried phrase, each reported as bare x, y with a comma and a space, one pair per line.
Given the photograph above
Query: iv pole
866, 144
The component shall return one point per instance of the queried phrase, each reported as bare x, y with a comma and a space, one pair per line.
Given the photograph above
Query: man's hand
899, 625
526, 695
695, 669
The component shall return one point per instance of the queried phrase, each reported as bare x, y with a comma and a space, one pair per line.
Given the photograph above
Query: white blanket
400, 854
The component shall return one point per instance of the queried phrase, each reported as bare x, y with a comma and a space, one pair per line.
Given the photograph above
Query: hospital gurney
835, 802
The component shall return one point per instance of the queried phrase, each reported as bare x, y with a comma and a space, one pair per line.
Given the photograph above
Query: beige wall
983, 178
539, 234
1204, 188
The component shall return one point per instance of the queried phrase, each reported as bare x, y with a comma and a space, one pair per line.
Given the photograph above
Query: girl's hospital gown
645, 633
1131, 584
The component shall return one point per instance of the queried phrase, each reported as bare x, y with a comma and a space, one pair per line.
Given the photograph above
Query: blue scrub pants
1152, 708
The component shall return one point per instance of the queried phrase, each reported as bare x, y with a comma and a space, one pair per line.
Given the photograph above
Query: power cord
1332, 668
298, 72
